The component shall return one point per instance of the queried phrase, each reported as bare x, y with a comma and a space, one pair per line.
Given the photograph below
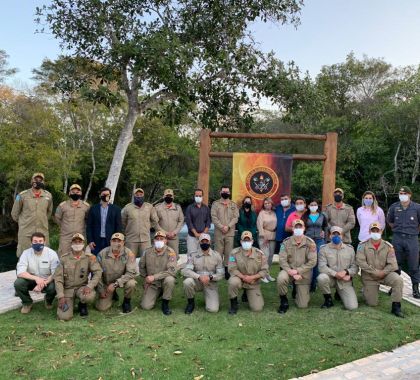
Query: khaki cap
78, 236
204, 237
246, 234
160, 233
336, 229
339, 190
118, 235
168, 192
138, 190
75, 186
375, 225
38, 175
298, 221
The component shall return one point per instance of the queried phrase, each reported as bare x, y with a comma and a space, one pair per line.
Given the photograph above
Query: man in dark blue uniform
404, 219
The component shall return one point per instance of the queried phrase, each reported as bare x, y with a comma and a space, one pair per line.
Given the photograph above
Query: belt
205, 273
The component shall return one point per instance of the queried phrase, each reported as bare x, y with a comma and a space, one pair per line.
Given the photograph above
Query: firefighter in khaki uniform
119, 271
158, 267
376, 258
31, 211
247, 266
171, 219
224, 215
71, 216
297, 258
72, 279
202, 272
337, 266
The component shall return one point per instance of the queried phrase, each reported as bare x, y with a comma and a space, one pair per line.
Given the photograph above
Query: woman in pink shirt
369, 212
300, 213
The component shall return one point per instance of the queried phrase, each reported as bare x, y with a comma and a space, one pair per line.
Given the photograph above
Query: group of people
99, 246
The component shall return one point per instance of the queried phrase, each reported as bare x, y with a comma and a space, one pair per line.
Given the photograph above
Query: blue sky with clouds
329, 30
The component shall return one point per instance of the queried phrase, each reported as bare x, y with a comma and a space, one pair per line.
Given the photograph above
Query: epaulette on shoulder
388, 243
288, 238
23, 192
310, 239
62, 203
86, 203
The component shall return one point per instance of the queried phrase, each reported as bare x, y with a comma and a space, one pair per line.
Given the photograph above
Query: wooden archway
329, 158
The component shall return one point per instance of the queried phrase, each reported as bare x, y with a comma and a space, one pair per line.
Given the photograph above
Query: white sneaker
265, 280
269, 278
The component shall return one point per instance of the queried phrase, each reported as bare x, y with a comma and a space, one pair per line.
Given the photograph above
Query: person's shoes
190, 306
328, 302
244, 297
48, 306
312, 289
115, 296
416, 293
265, 280
269, 278
26, 309
233, 306
337, 297
83, 310
126, 305
294, 291
284, 305
165, 307
396, 309
227, 274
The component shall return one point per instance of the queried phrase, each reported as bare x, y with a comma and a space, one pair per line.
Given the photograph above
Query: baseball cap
339, 190
75, 186
375, 225
204, 237
138, 190
336, 229
160, 233
118, 235
168, 192
78, 236
38, 175
246, 234
405, 189
298, 221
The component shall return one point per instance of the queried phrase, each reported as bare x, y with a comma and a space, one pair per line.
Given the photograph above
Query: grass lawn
149, 345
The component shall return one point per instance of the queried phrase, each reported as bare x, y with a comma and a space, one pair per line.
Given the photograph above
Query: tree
5, 71
196, 55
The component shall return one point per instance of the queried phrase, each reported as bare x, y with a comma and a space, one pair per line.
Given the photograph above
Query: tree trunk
66, 183
92, 157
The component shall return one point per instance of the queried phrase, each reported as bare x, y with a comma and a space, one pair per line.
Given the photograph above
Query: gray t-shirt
41, 265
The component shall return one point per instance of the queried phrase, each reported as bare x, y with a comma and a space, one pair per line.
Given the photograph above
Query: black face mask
225, 195
338, 198
168, 200
105, 198
247, 206
38, 185
138, 201
204, 246
75, 197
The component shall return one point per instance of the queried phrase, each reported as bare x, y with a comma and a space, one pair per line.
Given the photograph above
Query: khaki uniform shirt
158, 264
73, 273
72, 219
137, 222
240, 262
200, 263
32, 213
222, 215
170, 219
332, 260
371, 261
302, 257
118, 269
342, 217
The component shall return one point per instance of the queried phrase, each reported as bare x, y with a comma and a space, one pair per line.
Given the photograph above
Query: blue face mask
38, 247
368, 202
138, 201
336, 239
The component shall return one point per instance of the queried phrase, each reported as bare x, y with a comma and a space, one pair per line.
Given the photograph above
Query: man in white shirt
35, 271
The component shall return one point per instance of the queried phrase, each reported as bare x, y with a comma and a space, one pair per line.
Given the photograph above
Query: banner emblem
262, 182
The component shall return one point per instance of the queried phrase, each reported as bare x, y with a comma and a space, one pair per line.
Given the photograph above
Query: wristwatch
116, 284
211, 277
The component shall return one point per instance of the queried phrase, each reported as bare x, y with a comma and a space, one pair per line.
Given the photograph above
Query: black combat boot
284, 304
233, 306
327, 302
126, 305
165, 307
190, 306
244, 297
227, 274
396, 309
416, 293
294, 291
337, 297
115, 296
83, 310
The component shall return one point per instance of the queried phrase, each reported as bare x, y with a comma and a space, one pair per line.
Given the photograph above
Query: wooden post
203, 180
330, 163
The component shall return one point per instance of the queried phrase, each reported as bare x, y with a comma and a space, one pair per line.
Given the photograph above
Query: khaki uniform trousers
103, 304
346, 293
302, 290
211, 293
67, 315
174, 244
151, 292
371, 288
138, 248
224, 245
255, 298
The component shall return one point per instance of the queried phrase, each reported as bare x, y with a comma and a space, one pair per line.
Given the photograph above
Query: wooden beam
297, 157
269, 136
330, 163
203, 181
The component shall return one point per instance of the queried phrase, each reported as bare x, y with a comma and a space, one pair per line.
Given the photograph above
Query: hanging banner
259, 176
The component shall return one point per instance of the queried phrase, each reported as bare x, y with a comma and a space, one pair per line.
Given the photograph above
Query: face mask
338, 198
247, 206
38, 247
300, 207
38, 185
138, 201
198, 199
105, 198
159, 244
336, 239
246, 245
313, 208
375, 235
75, 197
368, 202
298, 231
284, 203
168, 200
77, 247
116, 246
204, 246
225, 195
403, 197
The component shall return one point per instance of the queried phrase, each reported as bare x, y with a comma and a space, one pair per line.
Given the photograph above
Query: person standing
31, 211
104, 219
224, 214
170, 219
247, 221
283, 210
404, 219
138, 217
298, 214
267, 224
368, 213
71, 216
198, 220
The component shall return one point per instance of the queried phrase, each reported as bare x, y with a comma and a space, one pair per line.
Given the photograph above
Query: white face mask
77, 247
404, 197
298, 231
300, 207
159, 244
246, 245
285, 202
198, 199
313, 208
375, 235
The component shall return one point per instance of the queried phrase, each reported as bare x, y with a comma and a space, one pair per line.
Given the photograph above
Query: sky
329, 30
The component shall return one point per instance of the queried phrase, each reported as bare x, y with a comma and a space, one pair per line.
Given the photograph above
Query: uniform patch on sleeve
18, 197
232, 259
92, 258
312, 248
391, 252
282, 248
359, 247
